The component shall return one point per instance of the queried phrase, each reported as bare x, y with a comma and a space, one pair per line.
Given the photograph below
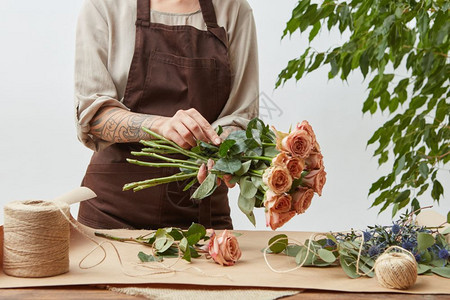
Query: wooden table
101, 292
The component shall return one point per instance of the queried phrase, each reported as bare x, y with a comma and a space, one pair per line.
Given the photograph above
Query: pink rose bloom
280, 160
298, 143
315, 179
305, 126
295, 166
314, 161
278, 179
277, 202
276, 220
224, 249
301, 199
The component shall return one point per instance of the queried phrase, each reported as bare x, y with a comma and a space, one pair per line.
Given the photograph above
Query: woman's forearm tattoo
117, 125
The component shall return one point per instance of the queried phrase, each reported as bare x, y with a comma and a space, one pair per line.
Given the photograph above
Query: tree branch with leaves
385, 36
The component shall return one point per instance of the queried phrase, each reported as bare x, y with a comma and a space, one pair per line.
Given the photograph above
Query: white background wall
41, 158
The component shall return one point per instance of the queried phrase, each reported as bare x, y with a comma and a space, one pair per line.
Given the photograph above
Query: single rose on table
224, 249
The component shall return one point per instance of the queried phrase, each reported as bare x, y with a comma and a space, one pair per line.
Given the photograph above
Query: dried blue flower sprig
356, 252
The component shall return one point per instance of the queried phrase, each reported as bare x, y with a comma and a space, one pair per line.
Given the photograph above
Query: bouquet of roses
276, 170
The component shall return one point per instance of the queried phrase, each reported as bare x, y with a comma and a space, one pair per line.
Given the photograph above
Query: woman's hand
203, 172
185, 127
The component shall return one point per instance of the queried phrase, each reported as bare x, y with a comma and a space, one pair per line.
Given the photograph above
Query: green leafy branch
389, 35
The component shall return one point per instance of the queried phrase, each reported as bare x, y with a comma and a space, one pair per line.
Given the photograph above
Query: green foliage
168, 242
429, 247
386, 36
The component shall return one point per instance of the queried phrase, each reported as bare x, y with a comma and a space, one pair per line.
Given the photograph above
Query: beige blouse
105, 46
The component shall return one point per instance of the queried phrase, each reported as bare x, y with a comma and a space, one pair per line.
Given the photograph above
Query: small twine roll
396, 270
36, 238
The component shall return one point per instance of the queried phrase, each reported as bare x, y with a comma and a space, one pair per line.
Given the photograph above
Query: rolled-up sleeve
94, 87
243, 103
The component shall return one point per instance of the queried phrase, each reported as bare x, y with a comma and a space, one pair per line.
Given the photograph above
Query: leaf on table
148, 258
278, 243
424, 240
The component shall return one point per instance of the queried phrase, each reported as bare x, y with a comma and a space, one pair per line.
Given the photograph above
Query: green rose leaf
248, 189
228, 165
244, 168
195, 233
206, 188
246, 205
225, 146
279, 241
219, 130
424, 240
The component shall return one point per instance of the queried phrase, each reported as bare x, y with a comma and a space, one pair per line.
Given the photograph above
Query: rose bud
278, 203
314, 161
278, 179
224, 249
301, 199
315, 179
298, 143
276, 220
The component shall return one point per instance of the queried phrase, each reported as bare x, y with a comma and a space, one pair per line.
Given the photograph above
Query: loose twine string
33, 248
395, 270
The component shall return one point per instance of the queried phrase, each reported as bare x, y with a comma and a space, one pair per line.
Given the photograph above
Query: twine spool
36, 238
396, 270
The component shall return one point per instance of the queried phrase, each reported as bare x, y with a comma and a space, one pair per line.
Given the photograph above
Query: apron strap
143, 12
209, 15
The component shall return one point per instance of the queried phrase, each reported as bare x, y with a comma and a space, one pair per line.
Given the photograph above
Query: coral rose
305, 126
278, 179
280, 160
224, 249
278, 202
301, 199
295, 166
298, 143
315, 179
276, 220
314, 161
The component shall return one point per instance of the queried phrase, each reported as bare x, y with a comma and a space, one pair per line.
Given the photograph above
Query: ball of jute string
36, 238
396, 270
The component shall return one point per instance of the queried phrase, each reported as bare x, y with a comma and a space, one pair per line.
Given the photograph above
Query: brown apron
173, 67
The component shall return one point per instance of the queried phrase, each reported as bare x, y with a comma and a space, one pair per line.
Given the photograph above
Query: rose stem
160, 151
161, 165
256, 173
156, 181
268, 144
172, 160
178, 149
119, 239
257, 157
175, 145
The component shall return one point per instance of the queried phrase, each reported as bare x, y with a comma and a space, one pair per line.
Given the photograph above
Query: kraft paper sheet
250, 271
